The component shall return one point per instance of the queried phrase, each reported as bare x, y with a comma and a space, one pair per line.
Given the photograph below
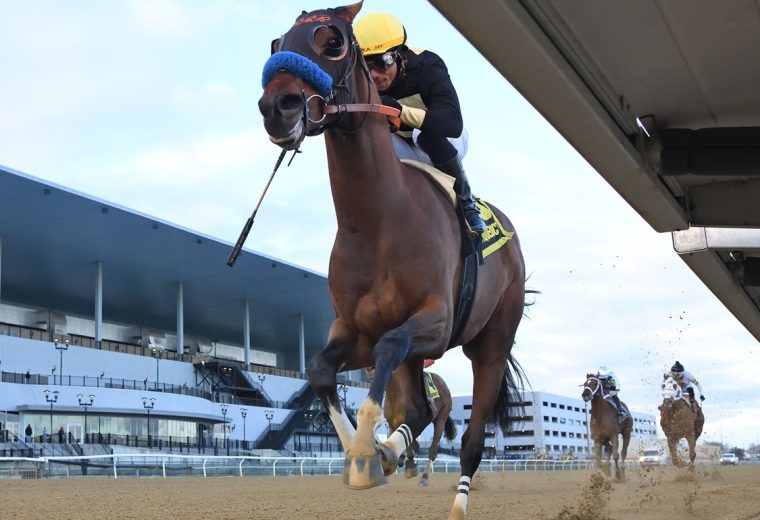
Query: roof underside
662, 98
53, 238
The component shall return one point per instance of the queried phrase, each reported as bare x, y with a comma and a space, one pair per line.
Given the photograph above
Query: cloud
152, 105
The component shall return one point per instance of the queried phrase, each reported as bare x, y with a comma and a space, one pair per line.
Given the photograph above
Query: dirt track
713, 493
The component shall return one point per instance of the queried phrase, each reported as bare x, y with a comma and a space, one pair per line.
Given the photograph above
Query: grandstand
118, 329
124, 334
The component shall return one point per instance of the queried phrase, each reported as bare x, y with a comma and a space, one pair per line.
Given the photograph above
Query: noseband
594, 390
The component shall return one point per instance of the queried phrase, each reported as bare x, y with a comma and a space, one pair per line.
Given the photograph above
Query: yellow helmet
379, 32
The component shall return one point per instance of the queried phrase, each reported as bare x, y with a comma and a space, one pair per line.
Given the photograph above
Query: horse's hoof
363, 471
411, 471
388, 459
424, 481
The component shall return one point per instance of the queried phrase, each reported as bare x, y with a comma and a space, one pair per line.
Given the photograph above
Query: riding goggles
381, 62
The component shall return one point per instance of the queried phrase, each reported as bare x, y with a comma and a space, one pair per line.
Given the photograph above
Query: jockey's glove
390, 101
701, 398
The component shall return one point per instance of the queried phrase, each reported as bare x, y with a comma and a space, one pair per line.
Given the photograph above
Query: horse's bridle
587, 387
300, 39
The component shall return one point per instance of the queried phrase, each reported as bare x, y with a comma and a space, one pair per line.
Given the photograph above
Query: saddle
475, 247
623, 412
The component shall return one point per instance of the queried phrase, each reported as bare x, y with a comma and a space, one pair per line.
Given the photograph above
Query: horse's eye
333, 47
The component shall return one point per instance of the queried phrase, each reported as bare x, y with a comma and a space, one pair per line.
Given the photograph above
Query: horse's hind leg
624, 451
410, 466
433, 452
489, 353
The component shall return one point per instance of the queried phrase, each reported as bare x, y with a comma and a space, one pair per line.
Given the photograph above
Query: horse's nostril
289, 103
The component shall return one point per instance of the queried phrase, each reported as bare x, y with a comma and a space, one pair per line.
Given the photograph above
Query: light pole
148, 404
262, 378
224, 408
60, 347
588, 436
52, 398
86, 404
269, 414
243, 412
342, 388
157, 355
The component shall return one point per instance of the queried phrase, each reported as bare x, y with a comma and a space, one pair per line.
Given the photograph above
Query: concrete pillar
180, 321
98, 304
247, 335
302, 346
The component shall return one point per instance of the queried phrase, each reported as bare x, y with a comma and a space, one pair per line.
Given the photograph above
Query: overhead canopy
53, 238
663, 99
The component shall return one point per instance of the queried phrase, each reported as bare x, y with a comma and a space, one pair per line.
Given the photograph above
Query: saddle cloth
430, 388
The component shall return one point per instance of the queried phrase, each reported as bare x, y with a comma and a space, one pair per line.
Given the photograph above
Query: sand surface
709, 493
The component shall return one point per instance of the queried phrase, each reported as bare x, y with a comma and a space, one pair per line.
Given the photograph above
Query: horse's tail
450, 429
507, 409
532, 301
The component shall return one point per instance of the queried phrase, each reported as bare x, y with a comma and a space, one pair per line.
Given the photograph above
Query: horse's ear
349, 12
275, 45
589, 376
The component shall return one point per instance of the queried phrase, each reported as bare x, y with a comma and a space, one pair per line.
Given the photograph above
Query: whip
249, 223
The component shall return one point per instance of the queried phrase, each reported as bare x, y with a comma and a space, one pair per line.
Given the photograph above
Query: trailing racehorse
395, 273
439, 406
679, 419
606, 427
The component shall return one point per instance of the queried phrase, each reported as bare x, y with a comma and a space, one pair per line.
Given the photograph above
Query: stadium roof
53, 237
662, 99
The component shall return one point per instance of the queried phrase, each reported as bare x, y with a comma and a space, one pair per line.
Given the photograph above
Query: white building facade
552, 425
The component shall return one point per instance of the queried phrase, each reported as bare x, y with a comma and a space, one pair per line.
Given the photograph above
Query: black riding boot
616, 399
454, 168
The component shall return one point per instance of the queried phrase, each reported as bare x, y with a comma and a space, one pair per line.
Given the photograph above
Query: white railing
168, 465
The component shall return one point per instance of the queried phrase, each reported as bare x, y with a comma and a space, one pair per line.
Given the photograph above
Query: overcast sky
152, 105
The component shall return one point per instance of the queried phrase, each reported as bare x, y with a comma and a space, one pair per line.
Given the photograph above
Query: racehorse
605, 427
394, 273
678, 420
438, 414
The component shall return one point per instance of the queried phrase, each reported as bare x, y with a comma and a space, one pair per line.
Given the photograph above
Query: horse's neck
365, 174
598, 401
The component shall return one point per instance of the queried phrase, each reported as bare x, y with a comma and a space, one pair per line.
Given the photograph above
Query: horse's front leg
598, 454
692, 441
368, 463
615, 455
322, 372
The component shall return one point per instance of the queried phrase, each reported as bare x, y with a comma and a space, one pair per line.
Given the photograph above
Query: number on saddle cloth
430, 388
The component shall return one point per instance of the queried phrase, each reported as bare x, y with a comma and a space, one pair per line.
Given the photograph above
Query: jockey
687, 382
418, 84
610, 387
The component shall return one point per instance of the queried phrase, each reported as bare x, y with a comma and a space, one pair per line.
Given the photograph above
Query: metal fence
170, 465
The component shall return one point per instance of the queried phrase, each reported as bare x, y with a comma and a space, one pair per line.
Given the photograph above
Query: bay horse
394, 408
678, 420
395, 268
606, 428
